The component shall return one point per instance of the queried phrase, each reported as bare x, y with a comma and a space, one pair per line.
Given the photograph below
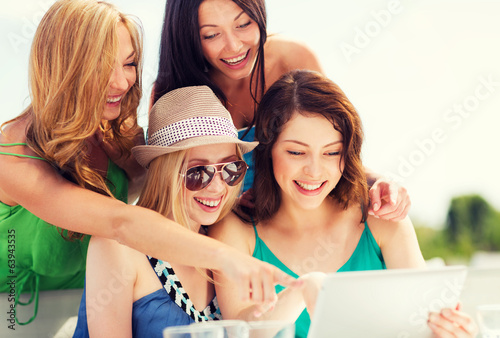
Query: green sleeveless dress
35, 257
366, 256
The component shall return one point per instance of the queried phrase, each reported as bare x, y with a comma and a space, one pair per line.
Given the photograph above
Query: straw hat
185, 118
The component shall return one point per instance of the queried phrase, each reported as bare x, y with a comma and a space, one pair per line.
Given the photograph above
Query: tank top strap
173, 287
18, 155
255, 229
370, 238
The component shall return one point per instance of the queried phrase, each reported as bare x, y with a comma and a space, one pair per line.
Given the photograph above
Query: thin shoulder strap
179, 296
18, 155
255, 229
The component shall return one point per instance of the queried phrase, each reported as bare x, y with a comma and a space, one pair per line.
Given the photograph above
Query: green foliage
472, 224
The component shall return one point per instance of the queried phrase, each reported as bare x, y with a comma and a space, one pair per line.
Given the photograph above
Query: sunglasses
199, 177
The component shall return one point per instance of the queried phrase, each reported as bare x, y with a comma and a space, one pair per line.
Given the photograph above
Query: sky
424, 75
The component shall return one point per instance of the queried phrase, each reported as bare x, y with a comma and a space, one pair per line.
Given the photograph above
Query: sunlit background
424, 75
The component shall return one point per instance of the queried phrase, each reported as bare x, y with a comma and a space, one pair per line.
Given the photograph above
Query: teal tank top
41, 258
366, 256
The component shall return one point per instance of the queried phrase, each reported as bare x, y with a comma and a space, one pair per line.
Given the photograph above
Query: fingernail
371, 213
375, 206
257, 314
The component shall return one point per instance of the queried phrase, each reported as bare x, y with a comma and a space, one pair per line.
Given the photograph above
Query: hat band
193, 127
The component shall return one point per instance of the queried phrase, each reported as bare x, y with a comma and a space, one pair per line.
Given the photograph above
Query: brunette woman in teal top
366, 256
310, 215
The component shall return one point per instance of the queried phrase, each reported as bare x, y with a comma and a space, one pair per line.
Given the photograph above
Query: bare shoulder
281, 45
398, 242
14, 132
18, 175
233, 231
109, 253
384, 229
110, 249
289, 54
229, 228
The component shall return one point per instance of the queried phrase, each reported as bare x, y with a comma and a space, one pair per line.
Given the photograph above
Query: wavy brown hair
72, 58
308, 93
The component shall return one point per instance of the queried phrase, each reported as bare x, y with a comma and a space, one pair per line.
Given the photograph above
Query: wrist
220, 257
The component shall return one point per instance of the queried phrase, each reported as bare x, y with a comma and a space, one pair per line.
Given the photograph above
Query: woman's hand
310, 289
247, 199
452, 323
255, 279
389, 200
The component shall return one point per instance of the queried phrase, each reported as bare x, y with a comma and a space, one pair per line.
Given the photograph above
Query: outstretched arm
37, 186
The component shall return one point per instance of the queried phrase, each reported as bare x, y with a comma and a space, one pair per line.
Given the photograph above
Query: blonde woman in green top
56, 158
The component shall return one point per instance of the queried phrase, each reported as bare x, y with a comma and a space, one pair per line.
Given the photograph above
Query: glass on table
193, 331
489, 320
272, 329
231, 328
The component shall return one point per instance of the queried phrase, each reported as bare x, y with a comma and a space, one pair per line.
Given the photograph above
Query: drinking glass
489, 320
231, 328
272, 329
193, 331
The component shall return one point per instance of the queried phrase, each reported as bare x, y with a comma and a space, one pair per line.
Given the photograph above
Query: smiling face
204, 206
229, 38
123, 75
307, 160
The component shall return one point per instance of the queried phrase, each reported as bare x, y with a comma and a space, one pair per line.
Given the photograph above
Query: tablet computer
384, 303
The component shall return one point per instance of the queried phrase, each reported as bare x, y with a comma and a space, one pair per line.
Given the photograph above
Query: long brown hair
308, 93
72, 57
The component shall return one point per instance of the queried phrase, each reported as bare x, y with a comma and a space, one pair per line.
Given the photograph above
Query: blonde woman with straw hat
65, 163
195, 173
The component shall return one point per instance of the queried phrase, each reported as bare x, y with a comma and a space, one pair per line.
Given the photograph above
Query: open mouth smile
208, 203
237, 60
114, 99
309, 187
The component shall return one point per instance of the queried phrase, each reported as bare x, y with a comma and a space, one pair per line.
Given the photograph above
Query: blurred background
424, 76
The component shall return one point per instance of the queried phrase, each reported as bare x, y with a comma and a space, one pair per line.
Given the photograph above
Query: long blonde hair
72, 58
163, 190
